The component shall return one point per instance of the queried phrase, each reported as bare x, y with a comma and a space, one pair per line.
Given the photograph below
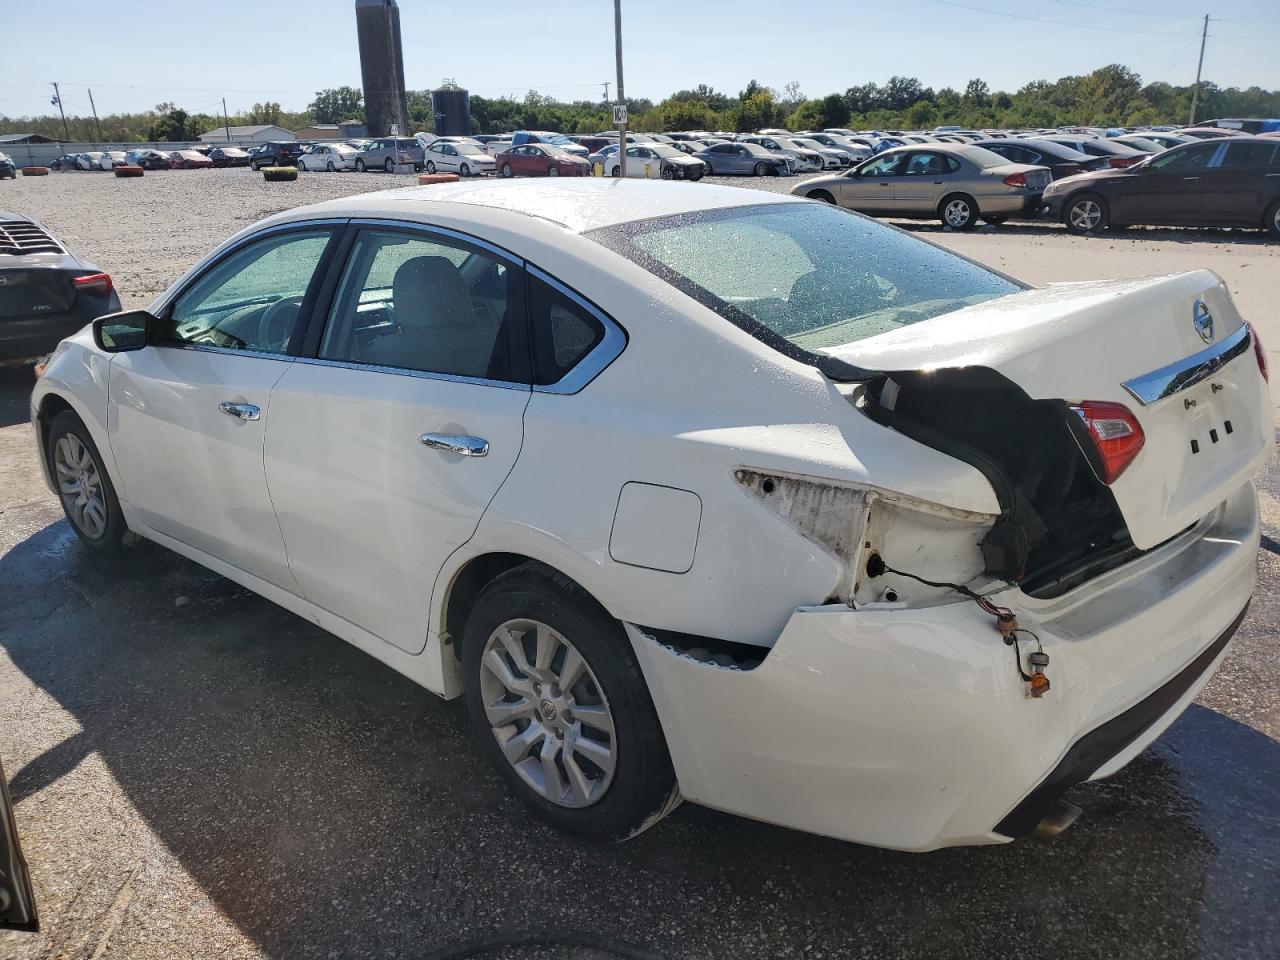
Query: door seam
266, 483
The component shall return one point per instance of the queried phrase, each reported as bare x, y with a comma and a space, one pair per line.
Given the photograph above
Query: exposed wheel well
50, 407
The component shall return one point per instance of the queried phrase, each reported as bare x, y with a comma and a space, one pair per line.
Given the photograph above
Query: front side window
1183, 161
810, 276
888, 165
252, 299
426, 303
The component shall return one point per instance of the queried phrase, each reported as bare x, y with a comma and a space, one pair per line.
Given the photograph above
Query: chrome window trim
417, 226
601, 355
406, 372
1187, 372
230, 351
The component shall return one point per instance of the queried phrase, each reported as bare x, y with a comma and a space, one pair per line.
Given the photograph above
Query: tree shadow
331, 808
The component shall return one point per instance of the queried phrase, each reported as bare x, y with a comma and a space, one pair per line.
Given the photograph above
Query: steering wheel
277, 322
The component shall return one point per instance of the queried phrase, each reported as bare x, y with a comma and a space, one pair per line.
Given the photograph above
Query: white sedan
329, 156
458, 156
718, 495
656, 161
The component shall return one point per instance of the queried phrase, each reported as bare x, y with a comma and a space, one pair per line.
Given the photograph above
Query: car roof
579, 205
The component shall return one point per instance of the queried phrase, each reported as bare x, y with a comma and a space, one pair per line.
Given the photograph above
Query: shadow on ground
332, 808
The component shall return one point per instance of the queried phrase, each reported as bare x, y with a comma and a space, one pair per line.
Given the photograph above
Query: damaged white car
715, 495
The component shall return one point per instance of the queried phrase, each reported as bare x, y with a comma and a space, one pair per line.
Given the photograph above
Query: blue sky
136, 53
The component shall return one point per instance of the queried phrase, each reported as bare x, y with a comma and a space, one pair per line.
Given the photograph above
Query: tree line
1110, 96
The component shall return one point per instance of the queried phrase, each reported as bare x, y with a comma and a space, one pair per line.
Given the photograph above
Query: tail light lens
95, 284
1259, 352
1114, 434
1120, 163
1016, 180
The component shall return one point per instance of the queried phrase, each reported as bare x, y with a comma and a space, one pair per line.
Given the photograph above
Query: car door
1168, 189
187, 415
924, 180
386, 446
871, 187
1235, 189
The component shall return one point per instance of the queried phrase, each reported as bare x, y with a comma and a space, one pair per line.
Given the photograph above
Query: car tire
463, 170
668, 173
1272, 222
507, 171
994, 219
553, 171
431, 166
761, 169
388, 166
958, 211
330, 167
360, 167
822, 195
93, 510
627, 774
1085, 214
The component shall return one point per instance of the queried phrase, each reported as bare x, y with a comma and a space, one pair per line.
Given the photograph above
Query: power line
1056, 23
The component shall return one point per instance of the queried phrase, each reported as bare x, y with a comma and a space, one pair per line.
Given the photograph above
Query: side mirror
123, 332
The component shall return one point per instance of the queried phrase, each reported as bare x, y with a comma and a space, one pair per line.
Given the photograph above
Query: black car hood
1093, 176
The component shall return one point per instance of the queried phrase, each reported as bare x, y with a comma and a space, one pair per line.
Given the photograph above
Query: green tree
833, 112
337, 104
977, 93
261, 113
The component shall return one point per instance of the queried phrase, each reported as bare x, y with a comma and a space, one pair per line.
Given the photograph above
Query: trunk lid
1201, 400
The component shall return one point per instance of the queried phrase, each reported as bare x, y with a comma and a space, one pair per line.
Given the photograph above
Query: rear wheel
87, 496
958, 211
561, 709
1085, 214
1273, 220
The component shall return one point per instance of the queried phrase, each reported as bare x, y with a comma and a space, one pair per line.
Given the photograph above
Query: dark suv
1224, 182
277, 154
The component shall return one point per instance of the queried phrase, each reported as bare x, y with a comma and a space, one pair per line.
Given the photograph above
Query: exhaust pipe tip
1056, 820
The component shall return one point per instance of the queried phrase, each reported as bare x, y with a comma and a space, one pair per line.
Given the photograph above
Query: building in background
346, 130
257, 133
386, 108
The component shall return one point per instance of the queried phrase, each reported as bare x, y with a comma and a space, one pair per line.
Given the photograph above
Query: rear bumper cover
29, 338
910, 728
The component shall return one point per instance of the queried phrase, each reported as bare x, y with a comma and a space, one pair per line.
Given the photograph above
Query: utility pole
622, 100
606, 90
1195, 91
57, 98
226, 124
96, 122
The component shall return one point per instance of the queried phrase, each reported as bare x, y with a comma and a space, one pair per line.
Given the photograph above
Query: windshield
470, 149
663, 150
807, 274
556, 138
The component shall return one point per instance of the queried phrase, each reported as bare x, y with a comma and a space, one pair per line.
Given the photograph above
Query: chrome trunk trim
1181, 374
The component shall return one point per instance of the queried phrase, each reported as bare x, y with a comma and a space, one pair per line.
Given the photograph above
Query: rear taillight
95, 284
1068, 170
1115, 434
1015, 180
1120, 163
1259, 352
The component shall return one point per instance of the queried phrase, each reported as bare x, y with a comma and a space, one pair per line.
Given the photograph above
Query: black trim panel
1088, 754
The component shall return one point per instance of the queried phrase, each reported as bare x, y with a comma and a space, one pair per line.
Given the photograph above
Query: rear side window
563, 331
1248, 155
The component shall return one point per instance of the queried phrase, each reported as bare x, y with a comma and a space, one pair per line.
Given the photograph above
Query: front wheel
959, 212
823, 196
360, 167
561, 709
87, 496
1085, 214
330, 167
431, 166
668, 173
507, 171
388, 166
761, 169
1272, 221
463, 170
553, 171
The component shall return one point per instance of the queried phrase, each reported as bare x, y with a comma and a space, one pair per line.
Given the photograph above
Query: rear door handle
242, 411
462, 445
1190, 178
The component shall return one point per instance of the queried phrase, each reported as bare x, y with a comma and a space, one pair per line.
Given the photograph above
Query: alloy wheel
431, 166
957, 213
331, 168
553, 171
80, 486
464, 170
1085, 215
548, 713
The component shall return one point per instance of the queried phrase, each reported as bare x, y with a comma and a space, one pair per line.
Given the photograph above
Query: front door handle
1190, 178
461, 445
242, 411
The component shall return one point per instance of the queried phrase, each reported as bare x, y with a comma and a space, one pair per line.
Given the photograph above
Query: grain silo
382, 67
452, 108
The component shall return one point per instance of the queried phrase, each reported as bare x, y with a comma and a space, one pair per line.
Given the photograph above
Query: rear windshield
804, 276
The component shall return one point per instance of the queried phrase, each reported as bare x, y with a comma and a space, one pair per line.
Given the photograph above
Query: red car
540, 160
188, 160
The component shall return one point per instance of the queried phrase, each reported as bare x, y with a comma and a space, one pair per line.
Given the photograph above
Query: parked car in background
462, 158
115, 158
1117, 155
657, 161
955, 183
593, 144
751, 159
1206, 133
46, 291
330, 157
358, 145
387, 152
541, 160
855, 150
1227, 182
521, 137
832, 159
148, 159
602, 155
189, 160
229, 157
280, 153
91, 160
802, 160
1139, 142
8, 169
1165, 140
1062, 161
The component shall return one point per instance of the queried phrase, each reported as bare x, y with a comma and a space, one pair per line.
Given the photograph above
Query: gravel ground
211, 777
